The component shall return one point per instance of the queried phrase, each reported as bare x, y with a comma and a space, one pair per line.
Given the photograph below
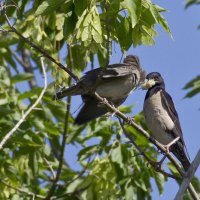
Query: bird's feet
129, 120
170, 144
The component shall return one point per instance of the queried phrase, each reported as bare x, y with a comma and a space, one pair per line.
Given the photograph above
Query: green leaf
134, 10
69, 24
86, 152
194, 86
97, 37
116, 155
51, 129
193, 92
48, 6
160, 179
192, 82
29, 94
123, 30
191, 2
33, 162
80, 6
21, 77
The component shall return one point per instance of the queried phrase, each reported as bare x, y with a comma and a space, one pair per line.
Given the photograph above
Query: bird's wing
118, 70
170, 108
112, 71
169, 105
90, 110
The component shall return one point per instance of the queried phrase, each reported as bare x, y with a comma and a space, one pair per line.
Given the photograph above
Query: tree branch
152, 163
65, 134
187, 179
10, 133
50, 168
39, 49
33, 195
146, 135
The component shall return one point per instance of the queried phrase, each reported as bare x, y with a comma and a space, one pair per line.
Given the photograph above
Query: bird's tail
178, 150
91, 110
70, 91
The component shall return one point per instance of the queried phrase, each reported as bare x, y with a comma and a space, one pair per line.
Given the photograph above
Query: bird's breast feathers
158, 119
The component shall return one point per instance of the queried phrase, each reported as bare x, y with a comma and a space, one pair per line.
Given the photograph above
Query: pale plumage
161, 117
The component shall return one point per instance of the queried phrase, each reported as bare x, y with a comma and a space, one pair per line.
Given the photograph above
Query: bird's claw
167, 147
129, 120
156, 165
104, 101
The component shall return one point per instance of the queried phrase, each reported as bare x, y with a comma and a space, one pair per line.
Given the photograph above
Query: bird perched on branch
115, 83
162, 119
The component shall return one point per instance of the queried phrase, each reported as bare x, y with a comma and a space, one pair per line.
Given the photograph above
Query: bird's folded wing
170, 108
169, 105
115, 70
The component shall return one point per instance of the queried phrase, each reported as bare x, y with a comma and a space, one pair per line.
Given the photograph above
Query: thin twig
65, 134
10, 133
33, 195
80, 174
152, 163
187, 179
50, 168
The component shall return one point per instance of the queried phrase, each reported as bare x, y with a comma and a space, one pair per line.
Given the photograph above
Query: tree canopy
56, 41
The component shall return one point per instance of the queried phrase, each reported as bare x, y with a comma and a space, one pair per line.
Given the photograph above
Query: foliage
192, 2
194, 84
109, 166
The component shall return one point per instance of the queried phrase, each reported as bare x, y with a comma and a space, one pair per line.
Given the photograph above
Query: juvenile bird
162, 119
114, 82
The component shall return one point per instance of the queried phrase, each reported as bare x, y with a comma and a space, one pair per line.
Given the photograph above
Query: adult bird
162, 119
114, 82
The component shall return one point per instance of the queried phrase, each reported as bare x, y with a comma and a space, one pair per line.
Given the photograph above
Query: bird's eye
155, 78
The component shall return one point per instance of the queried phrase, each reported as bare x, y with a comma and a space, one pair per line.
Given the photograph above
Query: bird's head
153, 79
132, 59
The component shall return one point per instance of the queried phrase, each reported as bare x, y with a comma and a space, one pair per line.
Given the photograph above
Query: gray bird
162, 119
115, 83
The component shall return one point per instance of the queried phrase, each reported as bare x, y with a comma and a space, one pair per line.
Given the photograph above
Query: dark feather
90, 111
169, 105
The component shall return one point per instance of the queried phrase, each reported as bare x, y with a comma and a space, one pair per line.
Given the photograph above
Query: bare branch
187, 179
11, 132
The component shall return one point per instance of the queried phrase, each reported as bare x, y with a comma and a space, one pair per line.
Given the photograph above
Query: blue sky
178, 61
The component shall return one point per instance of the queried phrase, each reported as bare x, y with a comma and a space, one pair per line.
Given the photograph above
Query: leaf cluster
74, 32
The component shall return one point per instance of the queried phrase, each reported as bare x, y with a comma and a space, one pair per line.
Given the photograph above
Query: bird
162, 118
113, 82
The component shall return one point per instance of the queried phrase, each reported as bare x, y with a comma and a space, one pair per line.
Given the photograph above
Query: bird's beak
148, 84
